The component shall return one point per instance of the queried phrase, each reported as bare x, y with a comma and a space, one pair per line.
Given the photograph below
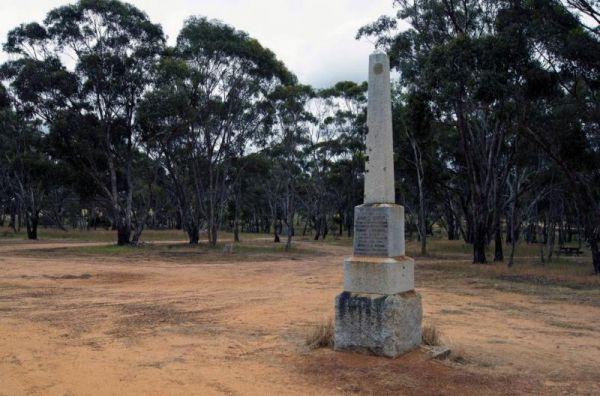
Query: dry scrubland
80, 316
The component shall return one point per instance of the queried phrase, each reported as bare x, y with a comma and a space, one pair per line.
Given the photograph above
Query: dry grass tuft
430, 336
458, 356
321, 335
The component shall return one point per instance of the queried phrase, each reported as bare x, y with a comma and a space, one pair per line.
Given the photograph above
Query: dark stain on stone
361, 306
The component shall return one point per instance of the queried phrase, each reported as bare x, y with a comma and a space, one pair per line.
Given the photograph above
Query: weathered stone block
378, 275
384, 325
379, 230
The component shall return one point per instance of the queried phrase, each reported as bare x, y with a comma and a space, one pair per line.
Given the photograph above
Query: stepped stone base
378, 275
383, 325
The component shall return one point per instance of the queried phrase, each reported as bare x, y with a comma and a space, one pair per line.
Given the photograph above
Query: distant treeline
496, 123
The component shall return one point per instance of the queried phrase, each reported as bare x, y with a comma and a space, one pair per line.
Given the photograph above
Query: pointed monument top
379, 179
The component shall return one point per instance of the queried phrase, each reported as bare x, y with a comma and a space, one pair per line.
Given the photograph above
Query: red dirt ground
203, 324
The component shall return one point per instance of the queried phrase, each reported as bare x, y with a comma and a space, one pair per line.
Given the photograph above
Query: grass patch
69, 277
568, 325
541, 280
333, 240
180, 252
441, 247
430, 336
457, 355
431, 340
563, 272
9, 234
321, 335
98, 235
565, 279
103, 235
104, 250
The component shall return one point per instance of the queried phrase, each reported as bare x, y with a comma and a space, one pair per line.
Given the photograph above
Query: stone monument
378, 312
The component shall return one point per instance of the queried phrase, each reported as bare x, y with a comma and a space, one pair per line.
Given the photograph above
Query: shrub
321, 335
430, 335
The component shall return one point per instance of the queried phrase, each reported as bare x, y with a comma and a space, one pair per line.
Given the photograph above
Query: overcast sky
315, 38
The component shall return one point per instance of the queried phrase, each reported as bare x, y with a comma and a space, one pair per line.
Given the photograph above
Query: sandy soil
154, 326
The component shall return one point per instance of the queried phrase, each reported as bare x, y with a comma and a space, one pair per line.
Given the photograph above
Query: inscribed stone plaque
379, 230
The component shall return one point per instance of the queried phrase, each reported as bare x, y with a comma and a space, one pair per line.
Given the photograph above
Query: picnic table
570, 251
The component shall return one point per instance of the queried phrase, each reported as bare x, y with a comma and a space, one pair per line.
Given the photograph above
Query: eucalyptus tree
7, 204
208, 108
569, 124
290, 122
586, 10
337, 149
251, 205
31, 175
472, 72
27, 174
419, 160
320, 152
316, 199
91, 106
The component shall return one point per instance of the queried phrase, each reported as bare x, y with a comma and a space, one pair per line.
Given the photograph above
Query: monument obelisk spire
379, 178
378, 312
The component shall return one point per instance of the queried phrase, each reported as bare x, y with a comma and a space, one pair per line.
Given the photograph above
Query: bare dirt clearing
81, 318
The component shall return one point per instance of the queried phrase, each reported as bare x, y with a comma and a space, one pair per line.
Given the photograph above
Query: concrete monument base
383, 325
378, 275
